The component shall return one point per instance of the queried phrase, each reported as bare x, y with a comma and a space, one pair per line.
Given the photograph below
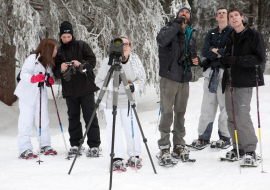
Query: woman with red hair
33, 72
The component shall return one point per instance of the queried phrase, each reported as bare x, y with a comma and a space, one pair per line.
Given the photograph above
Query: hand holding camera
180, 20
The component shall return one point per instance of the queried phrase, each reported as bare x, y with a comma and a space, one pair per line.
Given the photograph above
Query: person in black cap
74, 64
177, 53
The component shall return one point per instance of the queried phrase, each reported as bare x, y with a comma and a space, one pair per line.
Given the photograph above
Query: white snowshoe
94, 152
28, 154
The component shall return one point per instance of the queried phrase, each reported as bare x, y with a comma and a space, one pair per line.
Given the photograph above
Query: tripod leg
132, 102
101, 94
115, 101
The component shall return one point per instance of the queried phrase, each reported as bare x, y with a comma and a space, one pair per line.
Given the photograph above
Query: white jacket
25, 90
140, 77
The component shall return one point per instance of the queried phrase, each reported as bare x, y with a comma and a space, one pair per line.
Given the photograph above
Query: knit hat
65, 28
182, 9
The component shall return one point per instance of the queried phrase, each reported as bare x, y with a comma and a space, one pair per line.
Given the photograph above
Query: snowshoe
28, 154
250, 159
131, 162
47, 150
180, 152
232, 155
118, 165
198, 144
94, 152
74, 150
166, 160
224, 144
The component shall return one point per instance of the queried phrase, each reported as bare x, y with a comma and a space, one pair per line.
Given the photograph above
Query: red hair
45, 50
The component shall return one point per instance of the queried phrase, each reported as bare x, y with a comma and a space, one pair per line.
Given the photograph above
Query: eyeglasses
126, 44
222, 13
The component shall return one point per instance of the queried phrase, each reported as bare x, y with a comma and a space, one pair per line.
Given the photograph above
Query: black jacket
80, 84
214, 39
172, 46
251, 52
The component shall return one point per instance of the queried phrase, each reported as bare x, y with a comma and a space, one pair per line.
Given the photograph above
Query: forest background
24, 23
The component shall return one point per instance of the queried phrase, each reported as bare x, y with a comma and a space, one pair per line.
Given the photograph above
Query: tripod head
116, 51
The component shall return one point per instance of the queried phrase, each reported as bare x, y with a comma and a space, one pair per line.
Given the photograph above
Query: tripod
116, 68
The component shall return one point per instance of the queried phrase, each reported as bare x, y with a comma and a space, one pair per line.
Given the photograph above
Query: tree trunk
7, 62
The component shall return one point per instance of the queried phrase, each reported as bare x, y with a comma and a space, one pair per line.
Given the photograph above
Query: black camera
187, 60
69, 63
116, 51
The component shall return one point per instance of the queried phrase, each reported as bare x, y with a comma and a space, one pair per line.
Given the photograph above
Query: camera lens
117, 41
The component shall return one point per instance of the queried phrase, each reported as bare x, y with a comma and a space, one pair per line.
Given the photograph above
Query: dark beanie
65, 28
182, 9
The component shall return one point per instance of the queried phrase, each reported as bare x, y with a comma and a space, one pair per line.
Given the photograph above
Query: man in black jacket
213, 49
244, 50
177, 53
74, 65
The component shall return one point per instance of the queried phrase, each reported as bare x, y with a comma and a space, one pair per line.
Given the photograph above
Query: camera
69, 63
187, 60
116, 51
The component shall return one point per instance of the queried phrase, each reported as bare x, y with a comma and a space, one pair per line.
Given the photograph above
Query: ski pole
258, 113
158, 119
234, 123
40, 85
132, 129
49, 85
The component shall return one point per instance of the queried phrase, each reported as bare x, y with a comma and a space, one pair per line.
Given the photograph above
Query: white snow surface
208, 172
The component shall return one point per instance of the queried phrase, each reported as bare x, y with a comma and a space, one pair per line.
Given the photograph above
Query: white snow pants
123, 120
209, 106
25, 123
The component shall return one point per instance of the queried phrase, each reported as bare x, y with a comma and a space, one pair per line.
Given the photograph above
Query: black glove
131, 86
81, 68
228, 60
70, 71
179, 20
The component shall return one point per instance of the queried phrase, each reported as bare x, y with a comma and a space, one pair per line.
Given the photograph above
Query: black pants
87, 103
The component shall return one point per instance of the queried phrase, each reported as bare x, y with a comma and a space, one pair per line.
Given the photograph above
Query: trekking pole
258, 113
131, 117
158, 119
234, 123
40, 85
49, 85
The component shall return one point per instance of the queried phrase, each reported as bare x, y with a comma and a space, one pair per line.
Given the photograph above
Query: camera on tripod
116, 51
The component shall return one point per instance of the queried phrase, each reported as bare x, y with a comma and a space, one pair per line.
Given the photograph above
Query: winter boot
180, 152
27, 154
131, 162
222, 143
94, 152
48, 150
118, 165
74, 150
198, 143
249, 158
233, 154
165, 155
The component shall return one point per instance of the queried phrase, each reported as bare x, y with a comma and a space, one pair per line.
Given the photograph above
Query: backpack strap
213, 31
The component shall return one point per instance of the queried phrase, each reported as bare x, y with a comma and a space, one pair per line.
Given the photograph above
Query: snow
93, 173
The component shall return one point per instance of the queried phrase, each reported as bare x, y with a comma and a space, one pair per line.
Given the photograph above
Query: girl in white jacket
136, 77
28, 92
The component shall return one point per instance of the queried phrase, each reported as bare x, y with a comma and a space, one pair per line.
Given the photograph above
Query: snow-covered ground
208, 172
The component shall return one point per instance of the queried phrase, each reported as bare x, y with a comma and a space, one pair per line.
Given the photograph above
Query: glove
179, 20
81, 68
50, 82
37, 78
70, 71
228, 60
131, 86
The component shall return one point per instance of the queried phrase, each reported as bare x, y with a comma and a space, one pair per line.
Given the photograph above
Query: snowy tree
24, 23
